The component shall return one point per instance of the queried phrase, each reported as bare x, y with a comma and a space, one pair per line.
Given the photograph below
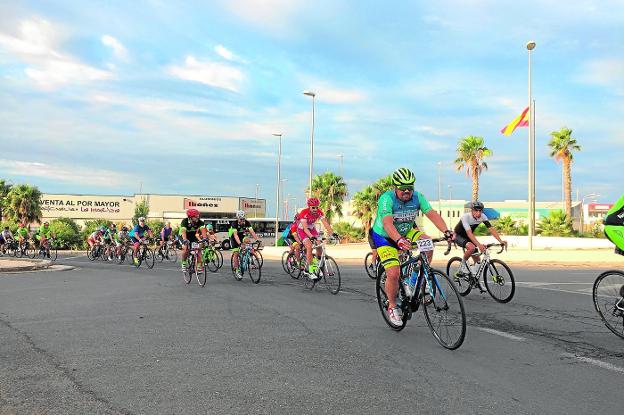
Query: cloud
118, 49
224, 53
275, 16
37, 44
64, 173
607, 72
332, 94
209, 73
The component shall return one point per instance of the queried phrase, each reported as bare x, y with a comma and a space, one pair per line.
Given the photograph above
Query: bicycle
370, 267
95, 251
327, 269
144, 254
168, 252
608, 296
192, 267
48, 250
213, 258
497, 276
249, 262
124, 251
290, 263
433, 289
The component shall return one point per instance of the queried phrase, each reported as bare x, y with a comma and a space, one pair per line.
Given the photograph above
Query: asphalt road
109, 339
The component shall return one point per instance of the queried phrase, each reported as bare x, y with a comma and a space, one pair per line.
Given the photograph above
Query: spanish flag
521, 120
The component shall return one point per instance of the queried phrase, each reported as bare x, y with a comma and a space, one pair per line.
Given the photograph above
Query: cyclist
43, 235
614, 225
22, 235
96, 237
307, 231
465, 237
166, 234
120, 239
210, 233
6, 238
291, 237
138, 236
239, 229
189, 229
109, 235
394, 229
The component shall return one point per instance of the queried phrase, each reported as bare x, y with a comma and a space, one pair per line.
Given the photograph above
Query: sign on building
86, 207
253, 207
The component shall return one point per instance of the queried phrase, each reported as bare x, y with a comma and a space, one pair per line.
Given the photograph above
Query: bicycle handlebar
503, 246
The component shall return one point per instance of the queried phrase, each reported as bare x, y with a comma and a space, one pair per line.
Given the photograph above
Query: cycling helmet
192, 213
403, 177
209, 227
46, 223
124, 229
102, 229
141, 219
313, 201
240, 214
476, 205
112, 225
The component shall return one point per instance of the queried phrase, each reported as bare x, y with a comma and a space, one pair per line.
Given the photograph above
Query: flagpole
530, 46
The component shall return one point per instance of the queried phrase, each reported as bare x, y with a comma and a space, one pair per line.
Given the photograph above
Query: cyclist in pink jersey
307, 231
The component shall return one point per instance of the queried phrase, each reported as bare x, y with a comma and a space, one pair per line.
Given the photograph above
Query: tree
331, 191
562, 144
67, 232
4, 190
557, 223
365, 201
471, 151
506, 226
23, 204
140, 209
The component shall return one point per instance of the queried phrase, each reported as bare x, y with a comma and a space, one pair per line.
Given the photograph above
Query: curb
24, 268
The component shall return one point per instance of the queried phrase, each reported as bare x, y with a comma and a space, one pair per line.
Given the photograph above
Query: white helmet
240, 214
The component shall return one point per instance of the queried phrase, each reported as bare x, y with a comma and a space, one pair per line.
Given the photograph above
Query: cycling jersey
166, 232
109, 235
468, 221
95, 235
614, 225
240, 228
310, 216
23, 232
138, 231
403, 213
615, 215
7, 235
190, 227
44, 231
121, 236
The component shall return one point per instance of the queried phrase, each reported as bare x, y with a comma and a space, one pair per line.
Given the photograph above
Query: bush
557, 223
67, 233
481, 230
348, 233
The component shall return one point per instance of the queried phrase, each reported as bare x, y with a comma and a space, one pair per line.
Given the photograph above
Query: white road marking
596, 362
537, 284
73, 257
502, 334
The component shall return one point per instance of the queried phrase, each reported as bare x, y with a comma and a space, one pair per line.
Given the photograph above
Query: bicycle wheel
371, 269
201, 275
260, 258
608, 295
160, 254
462, 280
292, 266
382, 299
91, 253
137, 257
148, 257
32, 252
53, 253
330, 273
190, 269
444, 310
219, 256
212, 261
254, 267
285, 261
172, 255
499, 281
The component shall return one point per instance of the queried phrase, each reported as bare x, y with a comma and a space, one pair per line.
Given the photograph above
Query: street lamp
450, 189
341, 157
277, 196
589, 196
530, 46
256, 202
439, 187
313, 95
282, 184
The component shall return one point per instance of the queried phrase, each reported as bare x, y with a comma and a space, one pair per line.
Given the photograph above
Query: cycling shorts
302, 235
371, 243
387, 249
615, 234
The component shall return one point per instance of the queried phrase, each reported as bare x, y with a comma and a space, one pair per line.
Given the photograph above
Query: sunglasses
313, 207
406, 188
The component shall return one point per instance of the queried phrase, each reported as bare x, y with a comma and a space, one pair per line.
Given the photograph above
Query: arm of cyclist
401, 241
474, 240
253, 234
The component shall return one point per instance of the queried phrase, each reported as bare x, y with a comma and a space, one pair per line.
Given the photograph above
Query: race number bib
194, 245
425, 245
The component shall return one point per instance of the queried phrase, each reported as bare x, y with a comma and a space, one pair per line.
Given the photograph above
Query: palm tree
365, 201
557, 223
331, 191
4, 190
471, 151
23, 204
562, 145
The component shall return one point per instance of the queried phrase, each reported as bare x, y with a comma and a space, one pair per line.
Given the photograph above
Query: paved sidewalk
21, 265
543, 257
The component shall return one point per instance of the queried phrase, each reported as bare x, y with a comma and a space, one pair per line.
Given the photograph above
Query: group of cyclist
43, 235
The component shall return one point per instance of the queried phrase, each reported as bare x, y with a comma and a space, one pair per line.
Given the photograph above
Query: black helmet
476, 205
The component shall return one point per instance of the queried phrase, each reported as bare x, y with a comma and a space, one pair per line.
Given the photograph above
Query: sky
181, 97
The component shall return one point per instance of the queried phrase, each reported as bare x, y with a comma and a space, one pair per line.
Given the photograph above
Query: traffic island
23, 265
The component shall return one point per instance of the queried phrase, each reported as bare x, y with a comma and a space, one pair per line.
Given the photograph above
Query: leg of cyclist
135, 248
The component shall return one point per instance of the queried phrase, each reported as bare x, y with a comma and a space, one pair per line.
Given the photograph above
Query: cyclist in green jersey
44, 234
614, 225
22, 233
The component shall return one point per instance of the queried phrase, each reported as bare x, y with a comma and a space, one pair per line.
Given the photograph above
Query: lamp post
313, 95
589, 196
530, 46
439, 187
282, 193
341, 157
450, 189
277, 196
256, 202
